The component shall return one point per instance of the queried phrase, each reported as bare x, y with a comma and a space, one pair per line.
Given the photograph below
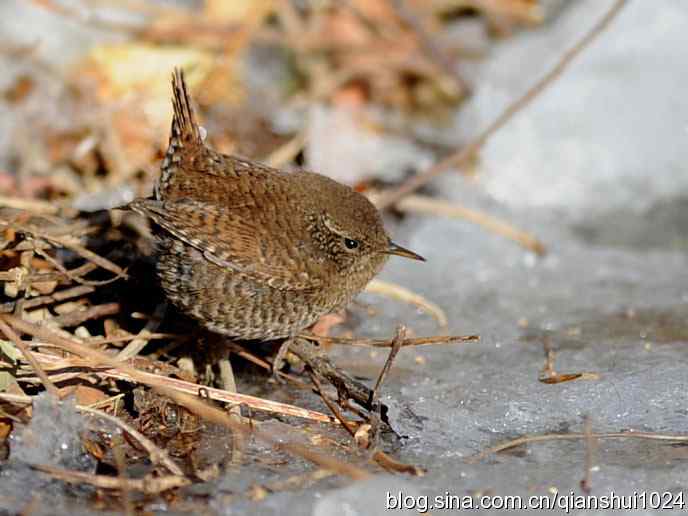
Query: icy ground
596, 168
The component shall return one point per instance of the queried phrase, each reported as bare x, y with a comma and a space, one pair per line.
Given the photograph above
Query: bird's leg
278, 361
229, 383
227, 380
347, 387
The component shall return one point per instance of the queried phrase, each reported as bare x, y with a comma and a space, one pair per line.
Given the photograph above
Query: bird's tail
185, 129
185, 134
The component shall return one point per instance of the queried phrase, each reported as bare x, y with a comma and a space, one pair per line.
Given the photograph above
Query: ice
53, 437
341, 147
611, 132
377, 496
596, 169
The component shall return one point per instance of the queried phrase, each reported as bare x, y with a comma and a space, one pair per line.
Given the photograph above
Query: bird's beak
401, 251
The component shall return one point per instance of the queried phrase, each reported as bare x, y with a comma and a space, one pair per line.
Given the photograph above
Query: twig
68, 241
331, 405
104, 263
458, 86
87, 17
431, 206
28, 355
126, 372
286, 153
135, 346
222, 418
388, 463
22, 399
380, 457
462, 156
396, 346
76, 317
212, 393
246, 355
297, 481
590, 448
347, 387
548, 369
72, 275
112, 400
630, 434
387, 343
62, 295
392, 290
550, 376
32, 205
376, 414
126, 338
121, 463
148, 484
157, 455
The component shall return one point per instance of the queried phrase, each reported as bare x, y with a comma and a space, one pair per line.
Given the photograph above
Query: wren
253, 252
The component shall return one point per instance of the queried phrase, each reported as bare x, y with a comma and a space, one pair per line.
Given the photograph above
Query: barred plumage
253, 252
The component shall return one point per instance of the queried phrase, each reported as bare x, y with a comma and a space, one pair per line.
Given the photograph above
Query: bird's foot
278, 361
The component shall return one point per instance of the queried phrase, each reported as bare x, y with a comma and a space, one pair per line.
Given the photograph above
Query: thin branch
380, 457
32, 205
21, 399
135, 346
331, 405
126, 372
28, 355
298, 481
411, 19
148, 485
549, 376
70, 242
431, 206
388, 343
347, 387
222, 418
396, 346
55, 297
77, 317
71, 275
283, 155
117, 447
405, 295
462, 156
572, 437
390, 464
89, 255
250, 357
212, 393
156, 454
97, 341
590, 448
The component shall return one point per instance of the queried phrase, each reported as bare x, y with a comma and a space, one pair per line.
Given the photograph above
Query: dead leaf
323, 326
87, 395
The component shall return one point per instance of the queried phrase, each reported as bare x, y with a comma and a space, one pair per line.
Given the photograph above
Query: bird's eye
350, 243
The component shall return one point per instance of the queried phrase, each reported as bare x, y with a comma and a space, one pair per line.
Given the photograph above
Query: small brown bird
253, 252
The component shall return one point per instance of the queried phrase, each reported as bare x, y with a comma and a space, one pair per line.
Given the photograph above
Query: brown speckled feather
251, 251
233, 237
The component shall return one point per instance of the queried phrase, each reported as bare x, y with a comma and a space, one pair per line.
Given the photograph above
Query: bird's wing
236, 237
